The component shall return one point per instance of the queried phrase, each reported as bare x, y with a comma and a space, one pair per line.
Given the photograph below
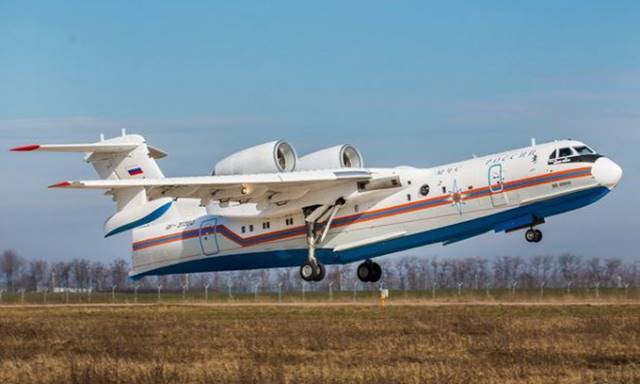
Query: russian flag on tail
135, 171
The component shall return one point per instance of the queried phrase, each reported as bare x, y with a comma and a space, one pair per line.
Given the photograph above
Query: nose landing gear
533, 235
369, 272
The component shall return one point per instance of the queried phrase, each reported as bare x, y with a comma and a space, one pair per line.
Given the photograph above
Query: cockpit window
577, 154
584, 150
565, 152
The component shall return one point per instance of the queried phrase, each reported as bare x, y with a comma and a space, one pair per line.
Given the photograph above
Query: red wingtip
60, 184
26, 148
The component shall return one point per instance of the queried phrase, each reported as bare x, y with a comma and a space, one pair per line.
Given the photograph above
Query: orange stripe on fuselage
419, 206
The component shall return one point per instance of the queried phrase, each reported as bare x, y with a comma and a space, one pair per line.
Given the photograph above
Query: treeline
400, 272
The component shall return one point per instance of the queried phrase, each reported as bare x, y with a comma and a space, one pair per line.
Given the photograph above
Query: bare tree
81, 272
119, 271
37, 273
11, 265
569, 267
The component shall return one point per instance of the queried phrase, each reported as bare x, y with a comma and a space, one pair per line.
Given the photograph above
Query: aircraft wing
244, 188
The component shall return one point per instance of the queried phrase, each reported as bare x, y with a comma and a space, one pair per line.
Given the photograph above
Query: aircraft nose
606, 172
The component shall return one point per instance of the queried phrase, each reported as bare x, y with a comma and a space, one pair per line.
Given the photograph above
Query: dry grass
293, 344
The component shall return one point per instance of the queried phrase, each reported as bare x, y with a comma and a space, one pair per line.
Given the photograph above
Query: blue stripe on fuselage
295, 257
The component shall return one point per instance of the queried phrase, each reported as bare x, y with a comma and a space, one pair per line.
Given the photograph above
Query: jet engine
275, 156
340, 156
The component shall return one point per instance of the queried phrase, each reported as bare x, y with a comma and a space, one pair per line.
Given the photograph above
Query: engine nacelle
340, 156
275, 156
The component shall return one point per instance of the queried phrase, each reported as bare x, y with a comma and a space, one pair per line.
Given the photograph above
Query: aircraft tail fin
119, 158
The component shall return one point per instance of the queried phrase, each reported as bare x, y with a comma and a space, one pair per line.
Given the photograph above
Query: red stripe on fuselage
358, 217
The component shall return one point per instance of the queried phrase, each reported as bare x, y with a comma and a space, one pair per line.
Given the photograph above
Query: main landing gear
312, 269
369, 272
533, 235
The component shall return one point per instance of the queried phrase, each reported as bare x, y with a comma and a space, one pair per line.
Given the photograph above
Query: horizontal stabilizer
96, 147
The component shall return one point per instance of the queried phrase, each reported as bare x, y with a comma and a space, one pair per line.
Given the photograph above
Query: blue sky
414, 83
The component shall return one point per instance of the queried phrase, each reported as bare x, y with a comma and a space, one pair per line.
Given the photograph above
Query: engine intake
340, 156
275, 156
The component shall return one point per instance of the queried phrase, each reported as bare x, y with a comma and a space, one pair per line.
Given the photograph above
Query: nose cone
606, 172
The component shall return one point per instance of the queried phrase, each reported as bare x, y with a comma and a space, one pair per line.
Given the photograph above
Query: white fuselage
501, 192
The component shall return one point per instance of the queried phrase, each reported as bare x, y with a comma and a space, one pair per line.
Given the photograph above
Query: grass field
456, 343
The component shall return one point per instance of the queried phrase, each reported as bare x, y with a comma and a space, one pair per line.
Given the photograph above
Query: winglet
26, 148
61, 184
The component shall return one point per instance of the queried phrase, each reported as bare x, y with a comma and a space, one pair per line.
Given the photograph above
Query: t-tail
120, 158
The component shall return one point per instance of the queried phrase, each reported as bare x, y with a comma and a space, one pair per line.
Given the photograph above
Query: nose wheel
369, 272
533, 235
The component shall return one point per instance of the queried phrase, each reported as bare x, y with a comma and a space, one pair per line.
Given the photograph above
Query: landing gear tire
321, 272
308, 271
312, 271
376, 272
538, 236
369, 272
533, 235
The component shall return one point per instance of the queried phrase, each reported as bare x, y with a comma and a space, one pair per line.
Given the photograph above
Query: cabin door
208, 238
496, 186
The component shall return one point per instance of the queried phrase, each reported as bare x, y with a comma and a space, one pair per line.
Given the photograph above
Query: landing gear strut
369, 272
312, 269
533, 235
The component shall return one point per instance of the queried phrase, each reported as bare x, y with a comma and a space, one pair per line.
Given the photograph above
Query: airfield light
1, 295
460, 288
206, 292
159, 289
384, 295
22, 296
44, 294
542, 289
113, 294
597, 287
303, 291
184, 292
486, 287
433, 290
569, 288
280, 292
513, 288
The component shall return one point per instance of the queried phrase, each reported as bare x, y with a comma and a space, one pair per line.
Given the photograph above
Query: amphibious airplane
265, 207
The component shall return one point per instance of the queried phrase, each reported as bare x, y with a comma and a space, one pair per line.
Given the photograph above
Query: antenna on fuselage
533, 141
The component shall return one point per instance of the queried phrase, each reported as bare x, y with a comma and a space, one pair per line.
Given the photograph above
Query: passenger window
243, 229
565, 152
424, 190
251, 228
